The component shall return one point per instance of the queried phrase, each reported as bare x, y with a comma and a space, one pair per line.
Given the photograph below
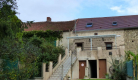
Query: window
116, 61
89, 25
80, 45
95, 33
108, 45
89, 40
114, 23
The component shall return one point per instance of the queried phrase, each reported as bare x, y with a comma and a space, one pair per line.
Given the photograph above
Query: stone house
91, 42
96, 40
65, 26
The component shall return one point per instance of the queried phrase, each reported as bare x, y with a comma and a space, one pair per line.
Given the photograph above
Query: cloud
117, 8
65, 10
98, 3
38, 10
58, 10
131, 8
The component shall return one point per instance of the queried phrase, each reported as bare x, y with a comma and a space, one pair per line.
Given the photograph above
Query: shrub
119, 70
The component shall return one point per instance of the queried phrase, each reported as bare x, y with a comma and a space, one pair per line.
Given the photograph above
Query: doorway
80, 45
102, 68
82, 65
93, 68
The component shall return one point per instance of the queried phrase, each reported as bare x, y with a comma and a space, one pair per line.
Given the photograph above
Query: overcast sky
65, 10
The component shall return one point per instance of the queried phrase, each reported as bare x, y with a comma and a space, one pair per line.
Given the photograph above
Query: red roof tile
55, 26
104, 23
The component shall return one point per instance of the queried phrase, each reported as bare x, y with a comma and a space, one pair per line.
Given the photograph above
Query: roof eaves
108, 29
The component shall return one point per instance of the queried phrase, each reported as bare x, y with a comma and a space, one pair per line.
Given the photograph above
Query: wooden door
102, 68
82, 65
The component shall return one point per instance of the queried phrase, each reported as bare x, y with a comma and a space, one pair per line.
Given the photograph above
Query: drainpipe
115, 40
69, 33
91, 43
115, 43
75, 26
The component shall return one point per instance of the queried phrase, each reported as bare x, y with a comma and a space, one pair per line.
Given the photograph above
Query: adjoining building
65, 26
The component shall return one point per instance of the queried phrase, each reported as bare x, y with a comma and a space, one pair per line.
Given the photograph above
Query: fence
132, 70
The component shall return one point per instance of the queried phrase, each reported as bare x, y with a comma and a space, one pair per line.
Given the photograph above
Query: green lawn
95, 79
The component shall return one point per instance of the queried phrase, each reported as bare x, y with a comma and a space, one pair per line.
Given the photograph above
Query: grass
95, 79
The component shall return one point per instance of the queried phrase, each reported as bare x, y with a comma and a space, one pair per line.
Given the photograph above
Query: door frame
79, 66
98, 67
90, 67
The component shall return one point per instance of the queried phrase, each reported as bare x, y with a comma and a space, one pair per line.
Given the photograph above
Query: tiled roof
55, 26
104, 23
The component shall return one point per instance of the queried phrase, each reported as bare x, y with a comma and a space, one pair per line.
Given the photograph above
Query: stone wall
128, 39
120, 40
63, 41
96, 42
131, 40
96, 55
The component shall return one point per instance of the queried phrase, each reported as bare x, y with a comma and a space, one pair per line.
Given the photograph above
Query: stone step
66, 66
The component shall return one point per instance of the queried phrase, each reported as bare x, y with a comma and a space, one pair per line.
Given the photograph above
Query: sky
66, 10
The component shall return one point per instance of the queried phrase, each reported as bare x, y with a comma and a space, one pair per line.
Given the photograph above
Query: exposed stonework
131, 40
96, 42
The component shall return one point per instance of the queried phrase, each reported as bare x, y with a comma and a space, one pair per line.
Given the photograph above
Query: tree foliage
49, 52
131, 56
10, 25
15, 45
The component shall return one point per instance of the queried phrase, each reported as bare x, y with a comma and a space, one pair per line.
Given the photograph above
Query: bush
47, 51
119, 70
26, 53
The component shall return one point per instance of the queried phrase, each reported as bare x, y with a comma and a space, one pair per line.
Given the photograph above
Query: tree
12, 47
10, 25
29, 51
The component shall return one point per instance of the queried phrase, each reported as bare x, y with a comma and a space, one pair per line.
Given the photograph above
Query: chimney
48, 19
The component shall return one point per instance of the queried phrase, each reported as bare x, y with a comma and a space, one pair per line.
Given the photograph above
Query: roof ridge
55, 21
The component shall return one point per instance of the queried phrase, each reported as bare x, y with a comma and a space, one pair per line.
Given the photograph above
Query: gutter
108, 29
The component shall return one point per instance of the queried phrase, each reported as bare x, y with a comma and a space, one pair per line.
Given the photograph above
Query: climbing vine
48, 35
